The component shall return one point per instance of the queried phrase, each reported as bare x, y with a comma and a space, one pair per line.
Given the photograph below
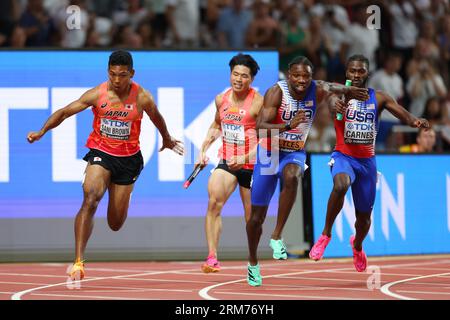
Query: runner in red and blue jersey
114, 160
353, 160
285, 119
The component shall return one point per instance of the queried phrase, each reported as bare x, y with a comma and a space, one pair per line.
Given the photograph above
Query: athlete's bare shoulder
219, 99
145, 99
258, 97
258, 100
274, 88
257, 103
381, 96
273, 96
91, 96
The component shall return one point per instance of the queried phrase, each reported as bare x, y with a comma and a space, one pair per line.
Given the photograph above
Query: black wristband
288, 127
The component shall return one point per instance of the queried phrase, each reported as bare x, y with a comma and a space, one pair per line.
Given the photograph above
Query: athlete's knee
291, 181
215, 206
252, 224
91, 200
363, 221
115, 225
340, 187
255, 221
116, 219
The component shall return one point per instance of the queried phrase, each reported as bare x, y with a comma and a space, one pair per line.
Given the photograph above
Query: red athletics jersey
357, 131
238, 128
117, 124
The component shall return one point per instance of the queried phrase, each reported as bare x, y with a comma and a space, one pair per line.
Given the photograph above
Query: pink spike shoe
211, 265
318, 248
359, 257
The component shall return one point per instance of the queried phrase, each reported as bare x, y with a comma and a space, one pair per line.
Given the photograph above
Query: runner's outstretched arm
85, 101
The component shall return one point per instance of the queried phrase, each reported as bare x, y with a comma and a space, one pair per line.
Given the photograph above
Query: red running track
405, 277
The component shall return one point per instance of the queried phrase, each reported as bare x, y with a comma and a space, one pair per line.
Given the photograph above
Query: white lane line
21, 283
289, 296
18, 295
384, 273
430, 284
386, 288
424, 292
82, 296
31, 275
122, 290
168, 280
305, 287
322, 279
204, 292
427, 268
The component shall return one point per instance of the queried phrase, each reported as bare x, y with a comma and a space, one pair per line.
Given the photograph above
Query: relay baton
348, 83
193, 175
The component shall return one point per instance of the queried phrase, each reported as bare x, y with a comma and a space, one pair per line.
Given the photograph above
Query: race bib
115, 129
359, 133
360, 123
233, 133
290, 141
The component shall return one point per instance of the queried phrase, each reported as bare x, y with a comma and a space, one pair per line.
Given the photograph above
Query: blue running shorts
363, 177
268, 169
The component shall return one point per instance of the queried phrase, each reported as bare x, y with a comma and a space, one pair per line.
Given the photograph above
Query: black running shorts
244, 176
124, 170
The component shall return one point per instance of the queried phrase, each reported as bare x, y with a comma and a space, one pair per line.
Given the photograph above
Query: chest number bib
233, 134
359, 127
359, 133
115, 129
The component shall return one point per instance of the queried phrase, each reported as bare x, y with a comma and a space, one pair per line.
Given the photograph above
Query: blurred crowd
408, 50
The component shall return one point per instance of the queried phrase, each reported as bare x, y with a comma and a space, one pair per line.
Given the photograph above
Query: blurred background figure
424, 82
18, 37
359, 39
263, 30
132, 14
76, 36
434, 112
293, 40
444, 47
233, 24
404, 16
334, 20
126, 37
158, 21
319, 48
322, 137
39, 27
183, 18
388, 80
10, 11
425, 142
